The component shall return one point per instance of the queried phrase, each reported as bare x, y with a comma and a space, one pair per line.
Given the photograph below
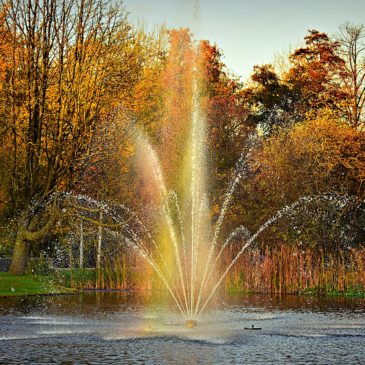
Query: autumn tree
269, 101
6, 56
228, 129
352, 40
315, 71
313, 81
318, 156
64, 70
224, 102
134, 103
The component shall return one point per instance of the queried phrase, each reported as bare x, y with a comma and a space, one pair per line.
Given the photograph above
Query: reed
113, 274
126, 272
283, 269
291, 269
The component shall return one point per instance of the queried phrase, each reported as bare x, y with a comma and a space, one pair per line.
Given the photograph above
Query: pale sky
248, 32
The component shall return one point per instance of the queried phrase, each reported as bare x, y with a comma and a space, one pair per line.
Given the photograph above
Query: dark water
122, 328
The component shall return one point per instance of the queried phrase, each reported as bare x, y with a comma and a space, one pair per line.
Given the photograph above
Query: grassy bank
11, 285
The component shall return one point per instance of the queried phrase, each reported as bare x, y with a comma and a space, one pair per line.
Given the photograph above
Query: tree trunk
99, 252
81, 246
20, 255
99, 247
24, 237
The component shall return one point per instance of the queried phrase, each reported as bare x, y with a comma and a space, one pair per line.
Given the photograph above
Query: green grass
357, 292
75, 278
12, 285
351, 292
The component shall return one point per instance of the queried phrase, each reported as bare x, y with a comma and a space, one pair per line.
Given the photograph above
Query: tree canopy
79, 83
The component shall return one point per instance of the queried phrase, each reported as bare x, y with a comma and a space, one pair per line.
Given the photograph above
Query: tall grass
126, 272
113, 274
283, 269
290, 269
76, 278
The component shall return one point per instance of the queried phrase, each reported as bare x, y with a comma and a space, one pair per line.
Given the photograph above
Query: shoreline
71, 291
35, 285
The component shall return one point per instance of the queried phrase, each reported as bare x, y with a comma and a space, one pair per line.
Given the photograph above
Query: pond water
125, 328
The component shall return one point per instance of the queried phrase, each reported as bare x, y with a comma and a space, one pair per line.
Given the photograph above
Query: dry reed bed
290, 269
284, 269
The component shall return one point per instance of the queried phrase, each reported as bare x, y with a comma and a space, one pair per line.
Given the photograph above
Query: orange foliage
313, 156
292, 270
315, 72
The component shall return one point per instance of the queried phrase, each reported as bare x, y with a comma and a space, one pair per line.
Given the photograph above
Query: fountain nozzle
191, 323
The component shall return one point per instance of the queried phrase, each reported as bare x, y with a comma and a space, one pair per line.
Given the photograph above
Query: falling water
188, 233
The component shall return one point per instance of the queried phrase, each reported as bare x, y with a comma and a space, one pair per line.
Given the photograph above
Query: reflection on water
109, 328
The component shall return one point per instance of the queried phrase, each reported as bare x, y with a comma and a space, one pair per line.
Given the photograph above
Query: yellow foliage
322, 153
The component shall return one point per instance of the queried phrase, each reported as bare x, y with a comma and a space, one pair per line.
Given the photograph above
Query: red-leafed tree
226, 115
315, 73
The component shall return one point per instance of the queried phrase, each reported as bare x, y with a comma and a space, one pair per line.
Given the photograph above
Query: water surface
124, 328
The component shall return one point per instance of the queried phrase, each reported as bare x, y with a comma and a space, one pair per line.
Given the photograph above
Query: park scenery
156, 207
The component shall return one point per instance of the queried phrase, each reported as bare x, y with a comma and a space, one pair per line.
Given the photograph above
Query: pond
126, 328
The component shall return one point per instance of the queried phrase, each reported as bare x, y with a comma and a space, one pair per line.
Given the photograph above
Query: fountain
192, 277
186, 249
187, 258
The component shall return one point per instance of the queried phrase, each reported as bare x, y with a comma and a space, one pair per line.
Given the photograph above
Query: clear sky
249, 31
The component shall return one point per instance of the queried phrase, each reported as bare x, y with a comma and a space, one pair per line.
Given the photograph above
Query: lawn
11, 285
